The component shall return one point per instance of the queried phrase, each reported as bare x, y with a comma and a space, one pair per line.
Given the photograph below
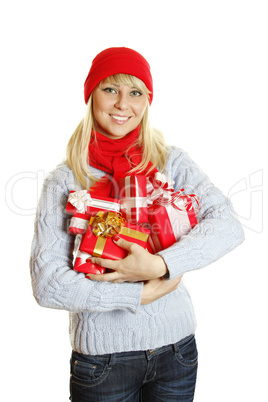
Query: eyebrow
116, 85
109, 83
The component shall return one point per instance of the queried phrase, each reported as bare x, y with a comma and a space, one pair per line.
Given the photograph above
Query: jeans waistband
140, 353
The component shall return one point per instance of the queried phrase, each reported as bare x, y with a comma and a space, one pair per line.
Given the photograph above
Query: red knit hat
118, 60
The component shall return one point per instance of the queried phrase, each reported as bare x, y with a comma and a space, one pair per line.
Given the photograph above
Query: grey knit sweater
107, 317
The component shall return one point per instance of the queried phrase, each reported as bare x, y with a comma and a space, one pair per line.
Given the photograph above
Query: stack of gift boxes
148, 212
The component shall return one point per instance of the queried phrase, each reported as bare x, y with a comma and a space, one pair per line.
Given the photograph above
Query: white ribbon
83, 256
133, 202
79, 223
160, 180
158, 187
82, 199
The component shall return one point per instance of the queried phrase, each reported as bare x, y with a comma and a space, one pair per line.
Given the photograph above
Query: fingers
105, 263
127, 245
110, 277
134, 267
157, 288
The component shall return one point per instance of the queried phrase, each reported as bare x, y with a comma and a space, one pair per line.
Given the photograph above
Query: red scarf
112, 157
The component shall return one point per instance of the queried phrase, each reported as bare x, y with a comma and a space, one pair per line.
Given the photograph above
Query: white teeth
119, 118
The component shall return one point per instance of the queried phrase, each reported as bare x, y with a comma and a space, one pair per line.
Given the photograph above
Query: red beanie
118, 60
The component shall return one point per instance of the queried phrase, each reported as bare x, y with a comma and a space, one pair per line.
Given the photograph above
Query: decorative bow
107, 224
159, 187
160, 191
181, 201
80, 200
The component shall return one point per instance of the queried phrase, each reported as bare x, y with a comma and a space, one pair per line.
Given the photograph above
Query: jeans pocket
88, 373
186, 352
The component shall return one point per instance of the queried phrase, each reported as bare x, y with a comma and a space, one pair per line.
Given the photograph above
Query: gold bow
107, 224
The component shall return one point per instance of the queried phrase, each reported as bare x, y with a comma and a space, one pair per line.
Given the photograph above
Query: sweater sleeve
55, 284
218, 230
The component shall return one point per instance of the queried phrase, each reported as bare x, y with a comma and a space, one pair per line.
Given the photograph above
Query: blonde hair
151, 140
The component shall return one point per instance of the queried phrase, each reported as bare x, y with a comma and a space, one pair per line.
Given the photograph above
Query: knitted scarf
117, 158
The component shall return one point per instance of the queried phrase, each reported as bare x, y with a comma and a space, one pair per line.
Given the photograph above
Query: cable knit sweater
108, 317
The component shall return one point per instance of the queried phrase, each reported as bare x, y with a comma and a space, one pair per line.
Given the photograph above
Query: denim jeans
163, 374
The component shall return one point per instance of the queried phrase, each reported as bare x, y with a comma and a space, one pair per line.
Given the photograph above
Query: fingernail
116, 237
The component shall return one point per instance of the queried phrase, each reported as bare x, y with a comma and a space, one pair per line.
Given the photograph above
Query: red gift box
81, 264
170, 219
104, 247
78, 224
133, 198
88, 244
80, 260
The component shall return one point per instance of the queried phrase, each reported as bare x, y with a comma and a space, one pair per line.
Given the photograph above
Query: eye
135, 92
110, 90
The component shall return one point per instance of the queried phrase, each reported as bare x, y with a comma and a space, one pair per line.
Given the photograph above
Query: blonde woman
132, 329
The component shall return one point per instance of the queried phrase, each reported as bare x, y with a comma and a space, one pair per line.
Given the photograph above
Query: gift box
133, 198
80, 262
78, 223
170, 218
82, 265
95, 243
82, 202
82, 206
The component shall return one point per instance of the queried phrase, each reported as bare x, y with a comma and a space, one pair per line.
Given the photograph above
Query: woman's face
118, 109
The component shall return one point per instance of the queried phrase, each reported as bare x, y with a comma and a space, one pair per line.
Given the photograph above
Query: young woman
132, 329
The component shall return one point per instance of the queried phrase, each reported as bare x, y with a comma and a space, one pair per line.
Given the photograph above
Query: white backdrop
209, 63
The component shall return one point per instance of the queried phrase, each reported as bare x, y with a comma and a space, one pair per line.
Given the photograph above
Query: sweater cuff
176, 266
123, 296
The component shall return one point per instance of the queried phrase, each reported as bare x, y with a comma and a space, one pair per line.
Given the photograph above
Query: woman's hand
156, 288
139, 265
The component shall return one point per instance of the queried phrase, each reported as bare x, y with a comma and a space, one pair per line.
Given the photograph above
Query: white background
209, 63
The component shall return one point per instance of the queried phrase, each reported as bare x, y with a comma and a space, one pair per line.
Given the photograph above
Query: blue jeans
163, 374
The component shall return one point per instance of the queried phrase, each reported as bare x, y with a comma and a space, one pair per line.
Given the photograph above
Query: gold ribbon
99, 246
104, 225
134, 234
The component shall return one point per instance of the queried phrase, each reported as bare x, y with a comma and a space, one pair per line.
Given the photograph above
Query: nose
122, 102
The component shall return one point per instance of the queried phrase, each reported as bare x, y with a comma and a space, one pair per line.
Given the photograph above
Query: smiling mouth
120, 119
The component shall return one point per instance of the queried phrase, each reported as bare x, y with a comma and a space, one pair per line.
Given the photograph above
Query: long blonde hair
151, 140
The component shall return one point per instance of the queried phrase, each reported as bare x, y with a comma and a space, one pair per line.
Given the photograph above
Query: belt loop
112, 359
176, 347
